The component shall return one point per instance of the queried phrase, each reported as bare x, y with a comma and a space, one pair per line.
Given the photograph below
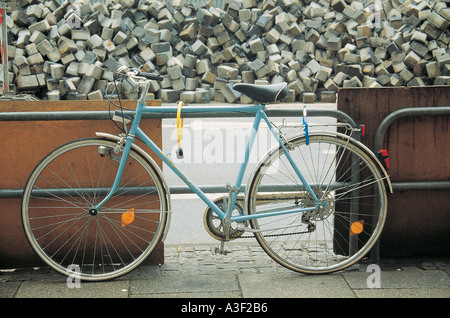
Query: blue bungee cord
305, 123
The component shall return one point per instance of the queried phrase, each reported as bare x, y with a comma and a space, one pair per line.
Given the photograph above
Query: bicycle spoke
321, 240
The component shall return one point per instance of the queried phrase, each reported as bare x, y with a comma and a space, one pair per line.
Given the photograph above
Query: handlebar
136, 79
125, 72
150, 76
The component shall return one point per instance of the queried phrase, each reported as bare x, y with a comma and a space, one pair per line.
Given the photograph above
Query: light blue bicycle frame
258, 110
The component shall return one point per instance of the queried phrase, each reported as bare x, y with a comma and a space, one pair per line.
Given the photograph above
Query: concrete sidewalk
194, 271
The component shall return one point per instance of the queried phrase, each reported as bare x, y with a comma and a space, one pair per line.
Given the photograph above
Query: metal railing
102, 115
411, 112
105, 115
339, 115
407, 186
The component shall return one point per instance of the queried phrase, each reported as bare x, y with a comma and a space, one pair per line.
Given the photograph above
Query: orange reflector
356, 227
127, 217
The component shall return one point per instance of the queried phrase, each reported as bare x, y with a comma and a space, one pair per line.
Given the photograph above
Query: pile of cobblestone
70, 50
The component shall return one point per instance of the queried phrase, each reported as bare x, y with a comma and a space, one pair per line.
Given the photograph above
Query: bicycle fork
128, 139
125, 153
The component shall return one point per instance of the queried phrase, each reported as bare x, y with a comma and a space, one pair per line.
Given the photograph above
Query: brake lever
130, 75
131, 81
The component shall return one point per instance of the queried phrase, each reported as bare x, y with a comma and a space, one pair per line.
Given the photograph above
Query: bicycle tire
327, 239
63, 188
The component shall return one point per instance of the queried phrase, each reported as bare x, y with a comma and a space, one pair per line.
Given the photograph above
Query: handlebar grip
150, 76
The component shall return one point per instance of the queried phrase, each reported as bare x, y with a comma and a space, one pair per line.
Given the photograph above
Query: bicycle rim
353, 204
56, 210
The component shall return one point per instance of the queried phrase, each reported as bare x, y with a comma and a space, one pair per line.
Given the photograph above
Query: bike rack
378, 144
411, 112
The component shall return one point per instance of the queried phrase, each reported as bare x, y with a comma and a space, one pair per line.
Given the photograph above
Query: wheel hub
326, 206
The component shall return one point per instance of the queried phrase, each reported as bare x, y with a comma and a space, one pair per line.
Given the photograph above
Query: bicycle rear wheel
353, 204
70, 238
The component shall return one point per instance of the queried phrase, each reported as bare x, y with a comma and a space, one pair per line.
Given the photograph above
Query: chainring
213, 224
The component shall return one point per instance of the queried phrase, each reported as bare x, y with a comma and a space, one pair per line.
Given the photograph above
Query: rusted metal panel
418, 222
25, 143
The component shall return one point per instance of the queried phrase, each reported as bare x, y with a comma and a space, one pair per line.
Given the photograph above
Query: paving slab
408, 282
292, 285
9, 289
44, 289
185, 286
403, 293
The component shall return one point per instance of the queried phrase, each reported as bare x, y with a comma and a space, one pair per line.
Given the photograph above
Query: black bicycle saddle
263, 93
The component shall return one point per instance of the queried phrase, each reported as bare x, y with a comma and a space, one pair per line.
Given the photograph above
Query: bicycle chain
236, 236
271, 235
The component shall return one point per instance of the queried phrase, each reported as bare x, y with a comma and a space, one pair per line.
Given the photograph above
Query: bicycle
316, 202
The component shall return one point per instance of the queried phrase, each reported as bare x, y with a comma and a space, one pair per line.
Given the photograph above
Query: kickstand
221, 249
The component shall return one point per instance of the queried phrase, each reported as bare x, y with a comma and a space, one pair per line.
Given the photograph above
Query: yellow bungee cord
179, 131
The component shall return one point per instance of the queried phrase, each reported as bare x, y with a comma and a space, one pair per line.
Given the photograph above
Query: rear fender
365, 149
348, 139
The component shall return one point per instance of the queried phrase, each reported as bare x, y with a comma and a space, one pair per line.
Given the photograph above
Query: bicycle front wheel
64, 231
346, 223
